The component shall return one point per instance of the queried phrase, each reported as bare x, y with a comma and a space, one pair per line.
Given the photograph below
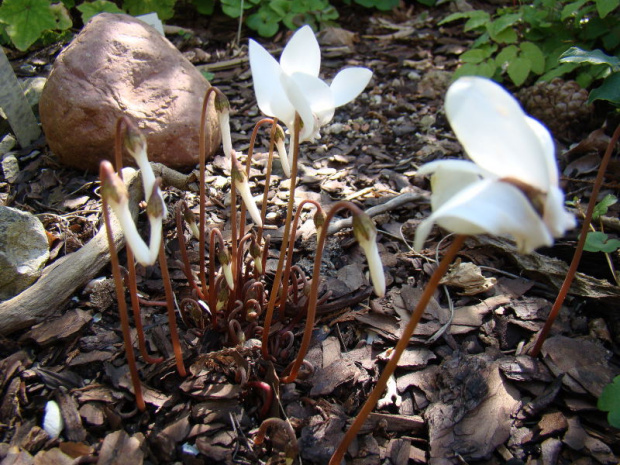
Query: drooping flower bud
319, 220
222, 108
240, 178
191, 221
226, 261
366, 234
285, 160
257, 254
112, 187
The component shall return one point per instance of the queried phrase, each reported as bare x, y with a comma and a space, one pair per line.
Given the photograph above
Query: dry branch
60, 280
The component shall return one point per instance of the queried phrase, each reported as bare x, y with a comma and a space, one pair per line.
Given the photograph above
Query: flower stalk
570, 275
402, 344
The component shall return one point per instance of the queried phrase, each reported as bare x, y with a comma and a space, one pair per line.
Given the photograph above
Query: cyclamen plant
237, 298
509, 187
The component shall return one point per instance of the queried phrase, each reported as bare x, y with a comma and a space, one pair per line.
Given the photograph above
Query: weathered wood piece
60, 280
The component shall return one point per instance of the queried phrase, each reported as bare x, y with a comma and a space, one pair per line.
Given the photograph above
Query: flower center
536, 197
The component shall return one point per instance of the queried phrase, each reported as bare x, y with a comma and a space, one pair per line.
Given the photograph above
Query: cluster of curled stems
236, 301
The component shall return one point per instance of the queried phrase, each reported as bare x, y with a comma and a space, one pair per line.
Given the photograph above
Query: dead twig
378, 209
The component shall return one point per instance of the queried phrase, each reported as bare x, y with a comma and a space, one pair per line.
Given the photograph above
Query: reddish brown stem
172, 320
183, 248
121, 125
570, 275
202, 155
277, 281
267, 395
402, 344
314, 290
122, 307
289, 259
292, 449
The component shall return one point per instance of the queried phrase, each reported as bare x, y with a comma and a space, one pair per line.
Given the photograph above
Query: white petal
270, 94
495, 131
492, 207
348, 84
142, 253
557, 219
246, 195
224, 118
546, 141
286, 165
449, 177
302, 53
377, 276
310, 96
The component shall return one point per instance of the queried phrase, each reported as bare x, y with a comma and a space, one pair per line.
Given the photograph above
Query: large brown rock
118, 65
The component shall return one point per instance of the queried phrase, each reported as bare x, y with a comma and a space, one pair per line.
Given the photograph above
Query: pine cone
560, 105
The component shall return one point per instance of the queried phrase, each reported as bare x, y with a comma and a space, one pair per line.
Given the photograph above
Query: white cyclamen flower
115, 193
293, 85
511, 187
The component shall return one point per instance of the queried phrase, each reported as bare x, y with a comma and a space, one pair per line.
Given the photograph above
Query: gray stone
24, 250
118, 65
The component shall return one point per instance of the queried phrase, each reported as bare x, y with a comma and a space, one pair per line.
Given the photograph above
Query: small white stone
52, 420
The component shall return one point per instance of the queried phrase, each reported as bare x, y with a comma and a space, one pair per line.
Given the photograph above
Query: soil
465, 390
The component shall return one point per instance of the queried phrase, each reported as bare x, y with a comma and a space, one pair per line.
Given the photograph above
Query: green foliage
597, 241
89, 10
204, 7
163, 8
26, 20
382, 5
610, 88
602, 207
610, 402
524, 42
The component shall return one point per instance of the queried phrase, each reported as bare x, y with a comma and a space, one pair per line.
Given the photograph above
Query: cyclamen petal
490, 206
449, 178
495, 132
349, 83
302, 53
293, 86
270, 95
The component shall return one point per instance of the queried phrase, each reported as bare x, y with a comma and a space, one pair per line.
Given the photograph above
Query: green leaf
63, 18
571, 9
507, 54
265, 21
163, 8
91, 9
597, 241
232, 8
507, 36
601, 208
502, 24
558, 71
594, 57
473, 56
535, 55
204, 7
609, 90
475, 19
486, 69
610, 402
518, 70
26, 20
208, 75
604, 7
